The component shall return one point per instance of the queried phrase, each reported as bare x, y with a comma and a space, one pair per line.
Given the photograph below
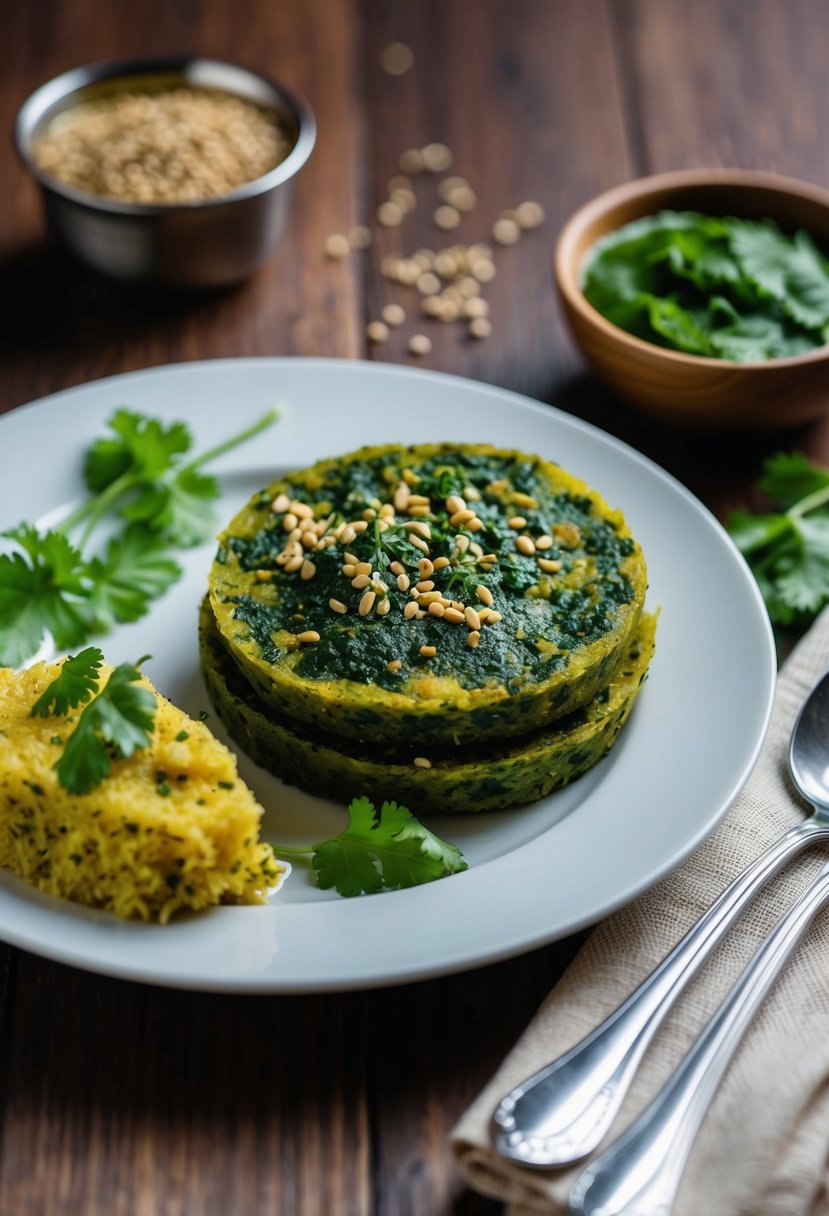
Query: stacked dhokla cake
456, 627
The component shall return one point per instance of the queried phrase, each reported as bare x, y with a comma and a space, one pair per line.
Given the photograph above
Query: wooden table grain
118, 1099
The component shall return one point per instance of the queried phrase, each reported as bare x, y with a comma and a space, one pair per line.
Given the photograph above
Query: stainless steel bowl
202, 244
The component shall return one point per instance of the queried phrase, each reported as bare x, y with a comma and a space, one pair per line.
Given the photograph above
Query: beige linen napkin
763, 1149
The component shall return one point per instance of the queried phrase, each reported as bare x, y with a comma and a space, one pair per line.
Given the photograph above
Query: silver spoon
561, 1113
639, 1174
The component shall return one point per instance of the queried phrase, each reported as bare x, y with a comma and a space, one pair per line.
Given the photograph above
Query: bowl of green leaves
702, 296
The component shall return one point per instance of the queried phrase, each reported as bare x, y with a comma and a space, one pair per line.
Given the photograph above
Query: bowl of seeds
175, 172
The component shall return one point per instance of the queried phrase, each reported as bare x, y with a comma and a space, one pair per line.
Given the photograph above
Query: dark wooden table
123, 1100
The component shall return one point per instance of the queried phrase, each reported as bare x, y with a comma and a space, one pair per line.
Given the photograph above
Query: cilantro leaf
118, 721
134, 571
389, 850
790, 476
176, 508
142, 447
41, 590
77, 681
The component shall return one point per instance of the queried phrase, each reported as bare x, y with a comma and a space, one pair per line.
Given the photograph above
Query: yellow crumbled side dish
172, 827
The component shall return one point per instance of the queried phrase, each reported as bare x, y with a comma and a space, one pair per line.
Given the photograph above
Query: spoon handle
640, 1173
560, 1114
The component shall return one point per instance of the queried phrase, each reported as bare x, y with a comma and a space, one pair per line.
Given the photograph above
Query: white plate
536, 873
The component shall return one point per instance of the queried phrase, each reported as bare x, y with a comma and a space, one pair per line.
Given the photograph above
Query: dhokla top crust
434, 590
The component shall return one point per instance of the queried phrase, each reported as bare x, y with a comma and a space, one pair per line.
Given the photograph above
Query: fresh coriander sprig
117, 720
788, 549
388, 850
49, 584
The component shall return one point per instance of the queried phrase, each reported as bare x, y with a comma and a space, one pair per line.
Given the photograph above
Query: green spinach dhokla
432, 594
484, 777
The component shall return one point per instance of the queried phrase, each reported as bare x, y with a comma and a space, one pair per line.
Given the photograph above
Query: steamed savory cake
172, 827
470, 778
412, 594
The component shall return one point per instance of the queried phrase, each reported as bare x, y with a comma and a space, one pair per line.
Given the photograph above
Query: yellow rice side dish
172, 827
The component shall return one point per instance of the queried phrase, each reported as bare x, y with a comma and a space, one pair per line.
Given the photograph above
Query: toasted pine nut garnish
394, 665
427, 597
309, 540
472, 619
369, 514
337, 606
418, 526
410, 610
397, 568
367, 603
383, 606
455, 503
290, 522
436, 608
421, 761
523, 500
548, 565
359, 525
475, 525
410, 477
281, 503
473, 638
263, 576
484, 594
517, 522
567, 534
425, 584
349, 570
348, 534
418, 510
544, 541
363, 568
425, 567
403, 582
493, 617
418, 500
453, 615
462, 543
294, 563
418, 542
360, 582
525, 545
307, 570
351, 557
428, 652
441, 563
307, 637
462, 516
302, 510
401, 497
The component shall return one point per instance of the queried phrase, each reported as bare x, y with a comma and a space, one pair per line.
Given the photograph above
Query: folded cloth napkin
763, 1148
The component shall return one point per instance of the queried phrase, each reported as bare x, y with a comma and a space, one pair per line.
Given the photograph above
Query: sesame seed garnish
337, 606
307, 637
307, 570
472, 619
367, 603
473, 638
548, 565
484, 594
525, 545
428, 652
421, 761
410, 610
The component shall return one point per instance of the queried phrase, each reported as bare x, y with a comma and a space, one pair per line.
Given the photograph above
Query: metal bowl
204, 244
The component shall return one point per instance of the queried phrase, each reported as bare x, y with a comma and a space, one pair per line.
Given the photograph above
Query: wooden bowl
690, 389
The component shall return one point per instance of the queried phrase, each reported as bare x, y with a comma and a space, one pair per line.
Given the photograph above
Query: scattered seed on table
447, 217
337, 247
419, 344
428, 284
475, 308
468, 286
396, 58
411, 161
394, 314
463, 198
479, 327
377, 332
359, 237
505, 231
390, 214
421, 761
436, 158
405, 198
484, 270
398, 182
530, 214
432, 306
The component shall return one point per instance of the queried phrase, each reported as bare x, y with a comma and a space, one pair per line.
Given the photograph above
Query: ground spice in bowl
179, 145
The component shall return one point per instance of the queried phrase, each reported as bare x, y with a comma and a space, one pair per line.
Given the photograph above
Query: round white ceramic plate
535, 873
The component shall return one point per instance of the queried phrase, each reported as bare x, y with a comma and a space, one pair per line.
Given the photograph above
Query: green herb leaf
790, 476
389, 850
142, 448
77, 682
134, 571
41, 590
118, 721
